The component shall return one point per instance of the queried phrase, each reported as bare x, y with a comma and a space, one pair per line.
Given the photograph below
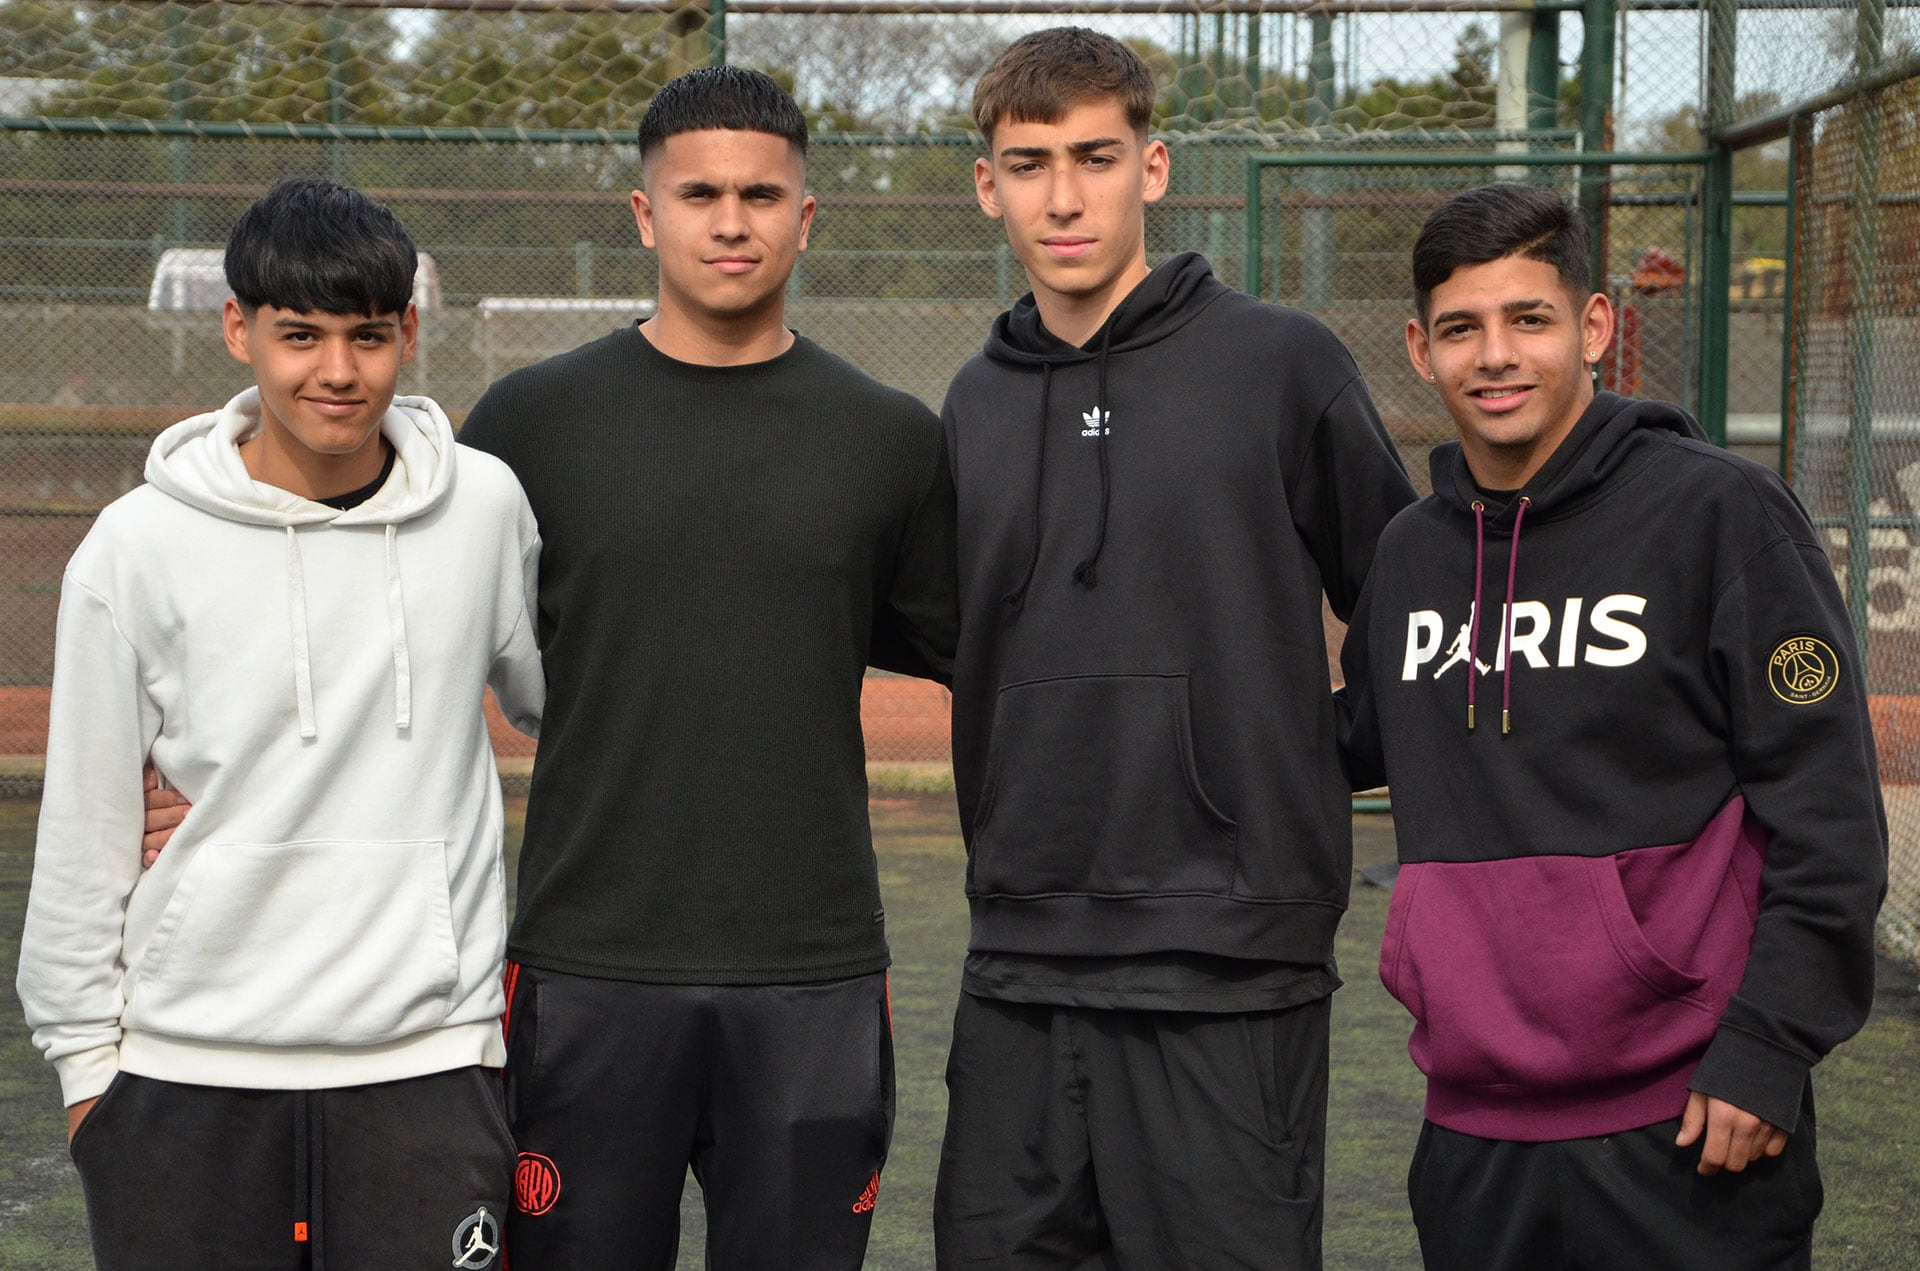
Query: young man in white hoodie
294, 620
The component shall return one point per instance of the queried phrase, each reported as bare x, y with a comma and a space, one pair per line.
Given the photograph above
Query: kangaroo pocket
295, 944
1091, 787
1535, 974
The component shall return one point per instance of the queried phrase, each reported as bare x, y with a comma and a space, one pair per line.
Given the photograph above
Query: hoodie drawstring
1473, 614
397, 632
1506, 627
297, 628
1019, 593
1083, 573
1506, 624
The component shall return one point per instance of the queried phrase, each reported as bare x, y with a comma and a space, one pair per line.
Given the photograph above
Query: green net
1856, 422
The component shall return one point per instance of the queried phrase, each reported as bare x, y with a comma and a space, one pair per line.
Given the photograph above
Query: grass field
1869, 1091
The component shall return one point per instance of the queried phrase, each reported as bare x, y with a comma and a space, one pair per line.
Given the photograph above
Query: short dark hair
316, 246
1498, 221
729, 97
1044, 75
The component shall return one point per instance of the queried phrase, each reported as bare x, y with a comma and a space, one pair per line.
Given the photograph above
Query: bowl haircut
311, 245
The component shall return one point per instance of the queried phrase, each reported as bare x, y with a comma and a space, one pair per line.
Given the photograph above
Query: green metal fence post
1253, 62
1250, 279
1316, 223
716, 32
177, 111
1543, 71
336, 105
1863, 253
1793, 328
1219, 67
1716, 229
1596, 122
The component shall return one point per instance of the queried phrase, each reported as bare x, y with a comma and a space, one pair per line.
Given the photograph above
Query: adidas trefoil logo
1095, 422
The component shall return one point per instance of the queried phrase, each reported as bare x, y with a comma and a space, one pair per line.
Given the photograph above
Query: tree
884, 73
225, 62
548, 70
38, 38
1460, 98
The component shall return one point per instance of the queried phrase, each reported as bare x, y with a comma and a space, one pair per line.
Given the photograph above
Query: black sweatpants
779, 1096
402, 1175
1149, 1140
1601, 1204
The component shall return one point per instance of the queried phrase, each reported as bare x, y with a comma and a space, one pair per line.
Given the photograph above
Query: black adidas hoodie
1651, 861
1144, 741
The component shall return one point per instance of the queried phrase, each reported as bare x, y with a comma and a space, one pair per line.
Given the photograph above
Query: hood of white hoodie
198, 462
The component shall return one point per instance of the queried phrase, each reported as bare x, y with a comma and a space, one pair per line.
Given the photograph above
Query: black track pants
1628, 1200
402, 1175
1138, 1140
780, 1097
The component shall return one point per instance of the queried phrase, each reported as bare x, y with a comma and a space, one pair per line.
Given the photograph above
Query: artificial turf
1869, 1103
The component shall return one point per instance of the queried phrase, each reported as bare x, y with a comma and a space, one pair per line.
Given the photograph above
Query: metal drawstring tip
1506, 722
1469, 719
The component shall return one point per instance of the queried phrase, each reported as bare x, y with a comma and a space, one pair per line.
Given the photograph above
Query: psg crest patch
536, 1184
1802, 670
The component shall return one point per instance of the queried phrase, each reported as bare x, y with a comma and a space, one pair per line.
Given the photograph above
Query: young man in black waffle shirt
735, 524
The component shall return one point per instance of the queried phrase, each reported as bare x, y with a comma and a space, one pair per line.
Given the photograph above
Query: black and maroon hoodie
1641, 835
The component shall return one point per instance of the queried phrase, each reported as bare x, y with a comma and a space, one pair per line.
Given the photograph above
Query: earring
1430, 378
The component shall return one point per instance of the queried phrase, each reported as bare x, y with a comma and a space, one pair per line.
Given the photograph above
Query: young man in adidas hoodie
1158, 478
1607, 671
281, 1045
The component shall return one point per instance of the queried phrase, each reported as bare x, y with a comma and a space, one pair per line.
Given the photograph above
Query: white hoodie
332, 911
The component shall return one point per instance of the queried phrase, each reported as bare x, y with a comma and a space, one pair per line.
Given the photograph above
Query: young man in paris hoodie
294, 620
1158, 478
1608, 674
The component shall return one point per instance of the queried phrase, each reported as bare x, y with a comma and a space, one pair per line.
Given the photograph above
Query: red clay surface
905, 721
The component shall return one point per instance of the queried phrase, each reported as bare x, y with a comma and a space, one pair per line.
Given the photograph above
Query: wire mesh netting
1793, 51
1856, 422
588, 63
132, 133
139, 130
1338, 239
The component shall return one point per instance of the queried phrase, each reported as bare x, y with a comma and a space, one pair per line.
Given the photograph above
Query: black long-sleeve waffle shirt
725, 549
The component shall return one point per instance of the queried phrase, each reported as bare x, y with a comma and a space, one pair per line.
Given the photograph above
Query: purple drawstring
1506, 627
1473, 614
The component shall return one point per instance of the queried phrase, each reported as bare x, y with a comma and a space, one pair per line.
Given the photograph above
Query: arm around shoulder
517, 676
920, 625
1356, 717
1349, 485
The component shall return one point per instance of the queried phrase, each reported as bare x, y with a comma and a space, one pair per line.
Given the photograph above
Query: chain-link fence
1338, 232
1854, 398
137, 131
132, 133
